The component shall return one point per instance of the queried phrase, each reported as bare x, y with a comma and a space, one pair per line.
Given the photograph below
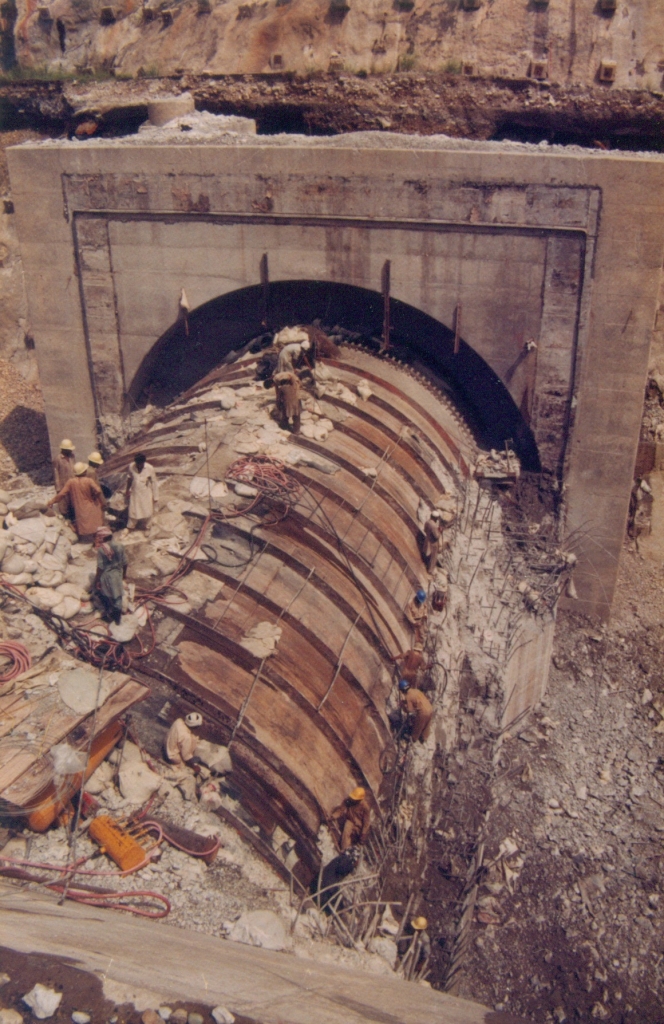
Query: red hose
19, 660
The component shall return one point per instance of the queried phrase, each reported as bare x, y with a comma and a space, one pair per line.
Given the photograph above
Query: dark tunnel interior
215, 330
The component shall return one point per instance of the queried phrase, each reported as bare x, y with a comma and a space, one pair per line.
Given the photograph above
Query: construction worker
86, 499
63, 470
111, 571
432, 540
419, 709
95, 461
289, 404
141, 492
354, 817
180, 741
411, 662
414, 948
417, 612
290, 356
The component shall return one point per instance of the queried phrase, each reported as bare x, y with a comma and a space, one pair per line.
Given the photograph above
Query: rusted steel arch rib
238, 656
376, 488
399, 446
362, 372
307, 634
302, 813
299, 529
357, 560
364, 625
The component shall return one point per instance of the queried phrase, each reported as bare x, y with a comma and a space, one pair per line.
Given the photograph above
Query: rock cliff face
562, 41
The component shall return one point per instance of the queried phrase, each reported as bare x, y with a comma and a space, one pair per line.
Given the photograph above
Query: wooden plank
54, 726
28, 786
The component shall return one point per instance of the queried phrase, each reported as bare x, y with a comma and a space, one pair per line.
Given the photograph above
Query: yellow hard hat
67, 446
96, 458
419, 924
357, 794
80, 468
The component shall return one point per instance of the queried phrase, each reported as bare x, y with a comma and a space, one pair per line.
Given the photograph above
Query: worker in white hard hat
354, 817
63, 470
181, 742
95, 462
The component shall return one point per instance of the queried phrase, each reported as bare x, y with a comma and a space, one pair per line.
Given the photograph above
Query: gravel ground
570, 926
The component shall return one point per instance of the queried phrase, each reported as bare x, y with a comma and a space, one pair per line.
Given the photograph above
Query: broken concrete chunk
364, 391
81, 690
384, 947
44, 597
68, 608
262, 639
10, 1017
80, 1017
30, 529
125, 630
227, 399
13, 564
245, 490
42, 1001
214, 756
260, 928
137, 781
220, 1015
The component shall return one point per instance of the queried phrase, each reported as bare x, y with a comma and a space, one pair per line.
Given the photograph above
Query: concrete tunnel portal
192, 347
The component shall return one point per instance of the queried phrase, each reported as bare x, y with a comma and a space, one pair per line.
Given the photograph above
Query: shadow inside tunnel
24, 436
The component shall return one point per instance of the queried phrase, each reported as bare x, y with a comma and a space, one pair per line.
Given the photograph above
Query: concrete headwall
555, 257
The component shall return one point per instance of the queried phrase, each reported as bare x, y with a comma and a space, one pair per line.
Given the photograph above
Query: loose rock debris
492, 591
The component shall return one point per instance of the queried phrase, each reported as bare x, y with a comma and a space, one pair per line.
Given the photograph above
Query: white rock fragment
260, 928
364, 391
68, 608
42, 1001
10, 1017
227, 399
221, 1015
262, 639
137, 781
80, 1017
245, 490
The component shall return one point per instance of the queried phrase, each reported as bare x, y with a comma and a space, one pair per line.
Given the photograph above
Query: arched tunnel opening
188, 350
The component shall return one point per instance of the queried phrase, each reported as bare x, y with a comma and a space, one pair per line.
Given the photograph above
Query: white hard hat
193, 719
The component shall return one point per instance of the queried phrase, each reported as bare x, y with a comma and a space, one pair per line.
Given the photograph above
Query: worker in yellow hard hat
94, 462
63, 470
354, 817
414, 948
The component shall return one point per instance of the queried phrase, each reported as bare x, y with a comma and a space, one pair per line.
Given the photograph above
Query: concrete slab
273, 988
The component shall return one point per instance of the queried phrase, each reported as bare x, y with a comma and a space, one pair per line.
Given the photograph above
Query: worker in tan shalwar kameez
87, 500
419, 710
141, 493
354, 817
180, 742
63, 470
289, 405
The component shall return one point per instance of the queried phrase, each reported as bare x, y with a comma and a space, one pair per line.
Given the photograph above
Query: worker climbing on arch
417, 613
411, 663
419, 710
354, 817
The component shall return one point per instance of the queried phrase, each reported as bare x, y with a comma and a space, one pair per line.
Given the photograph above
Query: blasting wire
19, 659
